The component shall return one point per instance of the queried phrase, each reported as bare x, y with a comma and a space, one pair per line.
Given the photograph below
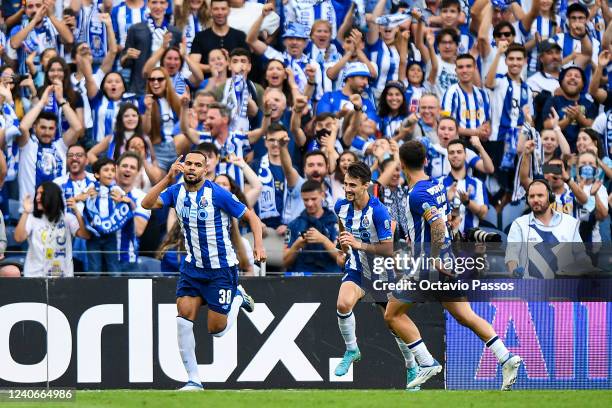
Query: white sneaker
425, 373
510, 371
248, 303
192, 386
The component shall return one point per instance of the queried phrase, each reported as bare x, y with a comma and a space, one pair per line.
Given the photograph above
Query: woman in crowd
337, 180
281, 78
150, 173
218, 61
191, 17
19, 103
49, 230
162, 106
392, 109
112, 146
183, 72
56, 73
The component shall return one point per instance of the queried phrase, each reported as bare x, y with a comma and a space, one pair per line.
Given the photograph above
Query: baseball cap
356, 69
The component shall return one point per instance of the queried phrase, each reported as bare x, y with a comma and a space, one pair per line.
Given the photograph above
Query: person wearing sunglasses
503, 33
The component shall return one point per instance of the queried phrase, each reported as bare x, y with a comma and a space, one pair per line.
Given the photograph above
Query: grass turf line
335, 398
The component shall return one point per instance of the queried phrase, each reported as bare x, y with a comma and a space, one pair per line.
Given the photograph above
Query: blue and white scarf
267, 199
157, 32
93, 32
236, 97
110, 219
537, 161
49, 163
360, 15
10, 123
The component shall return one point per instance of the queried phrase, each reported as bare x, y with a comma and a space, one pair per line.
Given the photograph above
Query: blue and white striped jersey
205, 218
546, 28
508, 100
386, 60
371, 224
471, 110
237, 144
104, 113
426, 204
72, 187
475, 188
123, 17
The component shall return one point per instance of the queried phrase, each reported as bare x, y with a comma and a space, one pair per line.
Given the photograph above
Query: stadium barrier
105, 333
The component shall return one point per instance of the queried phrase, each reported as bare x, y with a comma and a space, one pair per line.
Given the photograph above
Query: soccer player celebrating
428, 232
209, 274
365, 232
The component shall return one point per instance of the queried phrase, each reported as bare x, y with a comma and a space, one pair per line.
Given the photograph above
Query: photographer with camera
311, 233
463, 192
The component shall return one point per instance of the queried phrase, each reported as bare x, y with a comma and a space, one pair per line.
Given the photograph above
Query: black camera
19, 78
478, 235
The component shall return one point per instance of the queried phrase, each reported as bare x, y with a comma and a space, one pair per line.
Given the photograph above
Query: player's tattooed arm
438, 234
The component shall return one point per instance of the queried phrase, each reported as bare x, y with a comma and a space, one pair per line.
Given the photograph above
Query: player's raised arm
152, 199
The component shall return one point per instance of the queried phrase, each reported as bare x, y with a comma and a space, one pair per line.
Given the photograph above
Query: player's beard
192, 182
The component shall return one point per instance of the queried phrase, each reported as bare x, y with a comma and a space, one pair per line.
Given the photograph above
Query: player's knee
343, 307
217, 329
389, 318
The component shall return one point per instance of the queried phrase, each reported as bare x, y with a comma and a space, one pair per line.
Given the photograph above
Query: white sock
346, 323
232, 315
422, 355
186, 343
498, 348
406, 352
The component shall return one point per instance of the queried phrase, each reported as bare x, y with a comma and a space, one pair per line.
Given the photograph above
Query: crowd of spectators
99, 97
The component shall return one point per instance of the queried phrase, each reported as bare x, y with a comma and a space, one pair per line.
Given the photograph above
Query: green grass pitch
332, 398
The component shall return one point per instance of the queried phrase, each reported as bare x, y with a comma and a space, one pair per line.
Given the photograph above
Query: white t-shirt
50, 246
243, 18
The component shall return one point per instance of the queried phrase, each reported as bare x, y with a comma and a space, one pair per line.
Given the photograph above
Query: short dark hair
466, 56
315, 153
501, 25
311, 185
208, 147
361, 171
456, 141
76, 145
413, 155
275, 127
221, 107
241, 52
516, 47
47, 115
130, 154
446, 117
97, 166
196, 151
450, 3
448, 31
325, 115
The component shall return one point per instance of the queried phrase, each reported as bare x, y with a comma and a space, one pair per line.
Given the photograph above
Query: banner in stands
121, 333
564, 345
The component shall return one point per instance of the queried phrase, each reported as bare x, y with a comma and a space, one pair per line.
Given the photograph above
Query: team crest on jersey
387, 224
203, 202
229, 148
365, 223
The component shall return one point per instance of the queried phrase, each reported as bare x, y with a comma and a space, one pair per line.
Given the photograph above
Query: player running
209, 274
365, 232
428, 232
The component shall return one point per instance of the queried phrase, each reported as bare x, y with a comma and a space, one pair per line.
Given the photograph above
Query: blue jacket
308, 261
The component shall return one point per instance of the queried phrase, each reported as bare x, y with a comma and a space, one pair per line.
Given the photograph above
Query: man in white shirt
547, 77
533, 249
